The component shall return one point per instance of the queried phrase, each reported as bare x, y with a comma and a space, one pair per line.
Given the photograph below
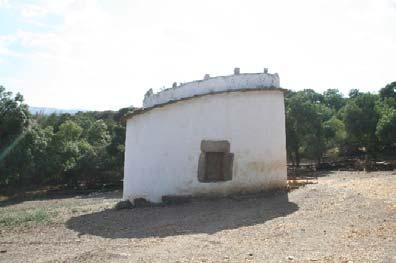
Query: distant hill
48, 111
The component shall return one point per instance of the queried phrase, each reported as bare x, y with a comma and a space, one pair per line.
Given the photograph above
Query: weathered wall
163, 145
210, 85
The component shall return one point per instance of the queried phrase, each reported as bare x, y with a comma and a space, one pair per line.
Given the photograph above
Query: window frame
218, 147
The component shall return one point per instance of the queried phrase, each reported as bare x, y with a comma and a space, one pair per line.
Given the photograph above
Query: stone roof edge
144, 110
215, 77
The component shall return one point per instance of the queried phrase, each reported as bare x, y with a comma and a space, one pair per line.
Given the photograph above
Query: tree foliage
14, 117
305, 117
319, 125
87, 147
360, 118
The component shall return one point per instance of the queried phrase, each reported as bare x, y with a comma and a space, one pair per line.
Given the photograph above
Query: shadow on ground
204, 216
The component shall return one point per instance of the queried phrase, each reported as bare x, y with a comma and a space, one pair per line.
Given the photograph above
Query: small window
215, 162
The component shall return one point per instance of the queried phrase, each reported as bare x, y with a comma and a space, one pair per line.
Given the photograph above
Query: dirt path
346, 217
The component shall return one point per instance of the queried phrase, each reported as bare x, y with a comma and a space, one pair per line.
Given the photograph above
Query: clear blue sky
105, 54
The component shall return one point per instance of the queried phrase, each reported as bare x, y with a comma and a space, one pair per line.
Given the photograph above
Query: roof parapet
208, 85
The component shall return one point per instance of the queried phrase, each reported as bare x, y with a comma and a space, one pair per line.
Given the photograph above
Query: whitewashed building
216, 136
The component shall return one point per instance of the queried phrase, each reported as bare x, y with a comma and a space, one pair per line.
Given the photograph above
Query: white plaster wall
216, 84
163, 145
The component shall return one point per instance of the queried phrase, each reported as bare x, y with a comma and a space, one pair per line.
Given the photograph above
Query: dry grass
28, 217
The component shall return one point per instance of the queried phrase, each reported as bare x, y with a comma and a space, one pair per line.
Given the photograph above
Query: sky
105, 54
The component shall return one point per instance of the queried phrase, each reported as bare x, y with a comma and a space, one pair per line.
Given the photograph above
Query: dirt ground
345, 217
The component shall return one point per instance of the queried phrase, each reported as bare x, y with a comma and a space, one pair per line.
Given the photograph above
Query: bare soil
345, 217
